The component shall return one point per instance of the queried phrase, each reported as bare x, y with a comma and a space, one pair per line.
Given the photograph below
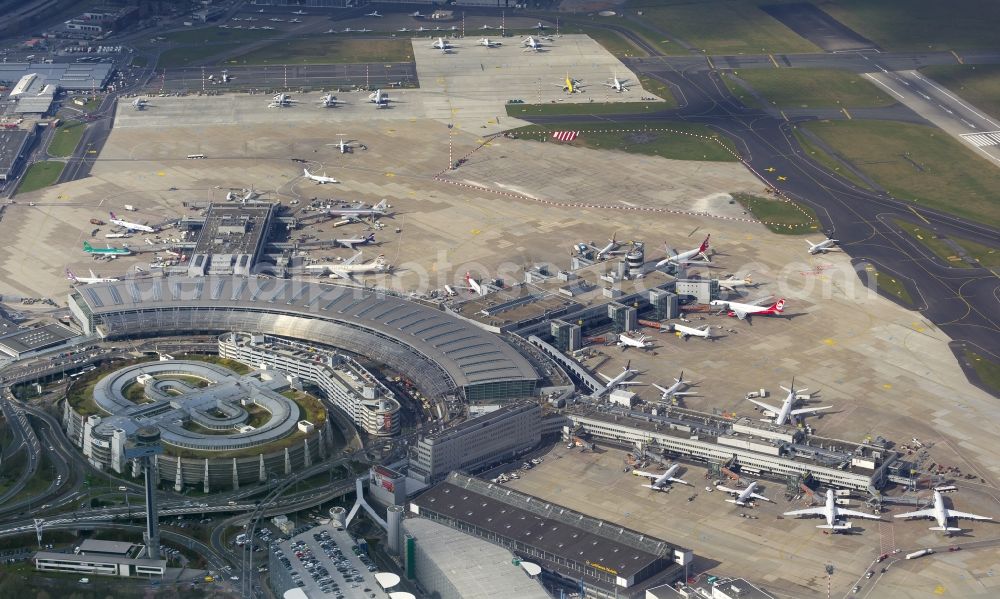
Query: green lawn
139, 61
678, 141
921, 24
66, 139
812, 88
988, 256
39, 175
978, 84
920, 164
326, 50
237, 367
988, 371
826, 160
937, 245
182, 57
780, 216
889, 285
576, 108
720, 26
216, 34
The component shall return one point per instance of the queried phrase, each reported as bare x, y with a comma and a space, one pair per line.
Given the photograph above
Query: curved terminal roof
469, 355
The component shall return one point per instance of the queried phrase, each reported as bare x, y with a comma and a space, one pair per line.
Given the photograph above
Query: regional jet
352, 243
489, 44
347, 269
379, 99
626, 341
380, 209
299, 12
684, 331
532, 45
130, 226
686, 257
618, 380
89, 280
823, 247
742, 311
742, 496
942, 514
570, 85
731, 283
319, 179
374, 14
345, 147
658, 482
835, 516
441, 44
619, 85
329, 100
139, 103
281, 100
109, 251
675, 390
785, 414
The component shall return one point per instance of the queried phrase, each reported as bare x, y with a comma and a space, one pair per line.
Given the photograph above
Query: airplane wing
966, 515
857, 514
727, 489
809, 410
740, 314
677, 480
764, 405
627, 383
604, 376
918, 514
352, 259
756, 496
812, 511
641, 473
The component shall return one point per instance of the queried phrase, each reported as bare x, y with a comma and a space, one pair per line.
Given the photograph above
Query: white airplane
675, 390
473, 285
352, 243
489, 44
942, 514
487, 27
618, 380
742, 311
319, 179
379, 99
608, 249
832, 512
704, 331
380, 209
344, 146
742, 496
331, 31
441, 44
619, 85
139, 103
823, 247
403, 29
281, 100
659, 481
731, 283
417, 15
329, 100
532, 45
295, 21
541, 26
130, 226
89, 280
373, 14
363, 30
785, 413
625, 341
299, 12
421, 29
686, 257
347, 269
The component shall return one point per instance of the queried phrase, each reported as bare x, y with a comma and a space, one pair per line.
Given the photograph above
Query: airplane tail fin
628, 365
70, 275
305, 172
779, 306
370, 238
381, 205
704, 244
113, 215
380, 261
87, 246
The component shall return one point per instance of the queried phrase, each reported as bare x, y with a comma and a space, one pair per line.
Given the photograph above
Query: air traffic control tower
144, 447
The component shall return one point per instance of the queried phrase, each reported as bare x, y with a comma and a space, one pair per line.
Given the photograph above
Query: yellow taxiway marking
957, 57
770, 169
939, 590
91, 151
887, 386
773, 61
475, 231
918, 215
829, 342
782, 178
847, 114
917, 327
390, 174
161, 174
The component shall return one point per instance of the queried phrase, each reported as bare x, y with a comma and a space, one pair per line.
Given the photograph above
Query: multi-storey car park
203, 413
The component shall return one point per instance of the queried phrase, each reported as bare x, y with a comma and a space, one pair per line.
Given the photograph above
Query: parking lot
325, 561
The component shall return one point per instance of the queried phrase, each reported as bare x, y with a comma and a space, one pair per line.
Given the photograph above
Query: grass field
812, 88
560, 108
890, 285
978, 84
720, 26
39, 175
921, 24
211, 35
919, 164
325, 50
66, 139
988, 371
678, 141
182, 57
826, 160
984, 254
237, 367
782, 217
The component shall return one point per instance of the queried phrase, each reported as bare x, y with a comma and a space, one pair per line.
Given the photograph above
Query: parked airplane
942, 514
89, 280
299, 12
379, 99
570, 85
417, 15
742, 311
442, 44
619, 85
139, 103
109, 251
686, 257
295, 21
489, 44
731, 282
618, 380
823, 247
130, 226
785, 414
374, 14
704, 331
347, 269
742, 496
532, 45
380, 209
403, 29
659, 481
319, 179
473, 285
541, 26
608, 249
281, 101
625, 341
329, 100
675, 390
352, 243
833, 513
